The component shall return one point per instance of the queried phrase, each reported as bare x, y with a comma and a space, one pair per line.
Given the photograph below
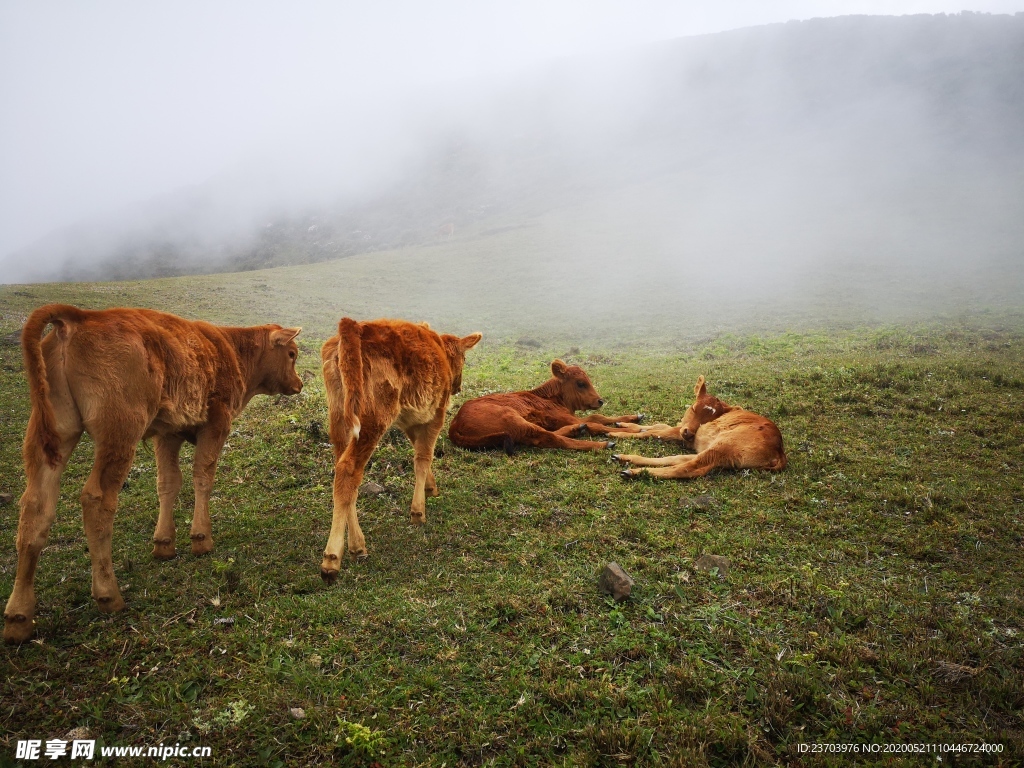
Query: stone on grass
705, 502
615, 582
5, 499
78, 734
316, 430
954, 673
371, 489
707, 562
297, 713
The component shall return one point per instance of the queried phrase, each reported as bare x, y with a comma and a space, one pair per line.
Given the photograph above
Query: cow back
170, 366
409, 357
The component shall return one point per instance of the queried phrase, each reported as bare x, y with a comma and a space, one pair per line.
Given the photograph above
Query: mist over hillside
882, 157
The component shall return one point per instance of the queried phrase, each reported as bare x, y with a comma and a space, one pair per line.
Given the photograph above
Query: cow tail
35, 367
350, 366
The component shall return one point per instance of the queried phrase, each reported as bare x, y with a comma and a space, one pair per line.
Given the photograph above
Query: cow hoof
163, 551
359, 555
329, 577
628, 474
18, 628
640, 417
418, 519
614, 457
111, 604
610, 444
582, 429
201, 544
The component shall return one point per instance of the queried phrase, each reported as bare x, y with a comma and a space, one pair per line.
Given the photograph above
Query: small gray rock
704, 502
615, 582
707, 562
954, 673
297, 713
77, 734
371, 489
5, 499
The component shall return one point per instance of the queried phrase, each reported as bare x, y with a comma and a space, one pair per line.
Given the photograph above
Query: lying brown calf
124, 375
724, 436
543, 417
377, 374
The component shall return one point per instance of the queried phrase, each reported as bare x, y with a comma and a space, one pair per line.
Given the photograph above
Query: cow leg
168, 484
558, 432
524, 432
424, 437
209, 443
38, 511
348, 474
572, 430
595, 428
644, 461
598, 418
430, 484
628, 429
99, 504
657, 431
689, 467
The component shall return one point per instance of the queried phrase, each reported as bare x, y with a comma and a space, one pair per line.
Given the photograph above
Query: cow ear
699, 389
283, 336
468, 342
558, 368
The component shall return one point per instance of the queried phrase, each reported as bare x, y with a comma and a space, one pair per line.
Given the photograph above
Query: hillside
821, 218
814, 151
872, 595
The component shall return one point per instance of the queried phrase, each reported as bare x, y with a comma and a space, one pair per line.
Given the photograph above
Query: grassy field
874, 594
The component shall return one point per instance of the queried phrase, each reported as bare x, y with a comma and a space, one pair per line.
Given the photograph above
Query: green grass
888, 549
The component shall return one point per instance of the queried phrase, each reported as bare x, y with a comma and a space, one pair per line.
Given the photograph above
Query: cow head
574, 387
278, 364
704, 409
456, 349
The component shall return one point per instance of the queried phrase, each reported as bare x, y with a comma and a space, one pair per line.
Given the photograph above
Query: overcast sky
107, 103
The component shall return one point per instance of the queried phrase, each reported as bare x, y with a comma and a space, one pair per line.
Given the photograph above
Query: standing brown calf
124, 375
543, 417
724, 436
377, 374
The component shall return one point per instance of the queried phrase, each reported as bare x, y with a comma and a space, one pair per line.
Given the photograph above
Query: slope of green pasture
874, 594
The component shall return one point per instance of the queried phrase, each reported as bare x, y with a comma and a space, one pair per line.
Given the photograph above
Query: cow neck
249, 345
550, 390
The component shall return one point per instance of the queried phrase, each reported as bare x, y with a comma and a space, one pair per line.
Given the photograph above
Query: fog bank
858, 152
